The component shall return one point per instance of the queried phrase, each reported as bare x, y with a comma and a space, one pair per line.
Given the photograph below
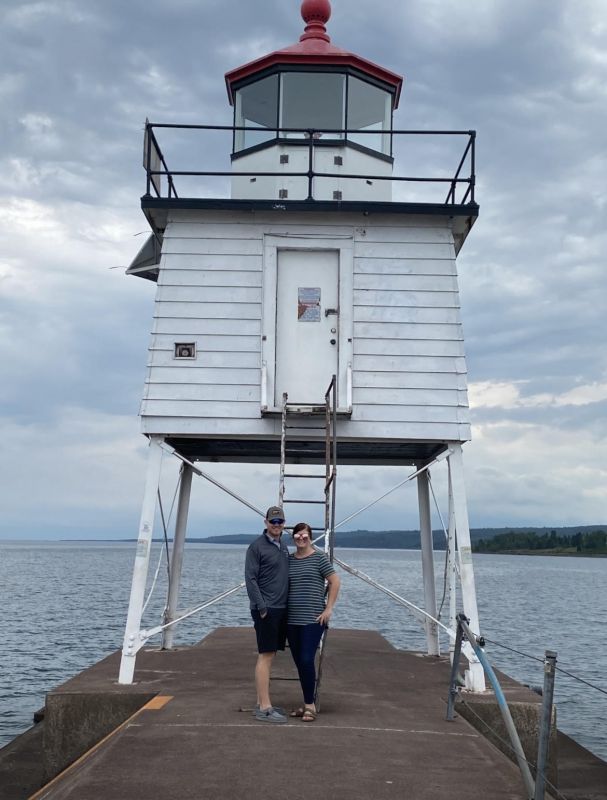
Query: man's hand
263, 614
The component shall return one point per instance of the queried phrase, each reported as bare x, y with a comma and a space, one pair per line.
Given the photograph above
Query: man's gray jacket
266, 574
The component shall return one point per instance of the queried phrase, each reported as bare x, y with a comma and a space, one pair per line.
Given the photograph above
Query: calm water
65, 607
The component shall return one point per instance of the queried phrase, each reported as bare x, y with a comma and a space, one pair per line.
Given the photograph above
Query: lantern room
313, 90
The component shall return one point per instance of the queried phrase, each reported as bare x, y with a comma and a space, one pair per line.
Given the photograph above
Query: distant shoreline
580, 540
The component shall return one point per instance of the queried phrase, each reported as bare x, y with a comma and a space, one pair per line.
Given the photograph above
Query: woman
308, 615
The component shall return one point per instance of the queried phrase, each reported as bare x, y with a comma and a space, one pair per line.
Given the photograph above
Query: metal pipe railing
311, 139
545, 725
477, 644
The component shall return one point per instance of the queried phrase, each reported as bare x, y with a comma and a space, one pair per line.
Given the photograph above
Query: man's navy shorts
271, 630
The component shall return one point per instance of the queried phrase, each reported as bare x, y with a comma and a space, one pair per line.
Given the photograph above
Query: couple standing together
287, 598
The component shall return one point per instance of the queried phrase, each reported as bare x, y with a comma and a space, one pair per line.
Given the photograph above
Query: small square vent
337, 195
185, 350
284, 158
283, 194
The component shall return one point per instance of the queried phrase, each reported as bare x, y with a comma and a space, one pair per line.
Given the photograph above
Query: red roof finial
315, 13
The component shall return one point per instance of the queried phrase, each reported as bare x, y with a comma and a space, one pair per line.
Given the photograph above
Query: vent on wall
185, 350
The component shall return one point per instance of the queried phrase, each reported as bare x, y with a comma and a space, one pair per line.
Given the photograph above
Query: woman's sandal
297, 712
308, 715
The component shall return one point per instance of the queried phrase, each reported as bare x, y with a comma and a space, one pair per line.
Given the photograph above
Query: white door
307, 324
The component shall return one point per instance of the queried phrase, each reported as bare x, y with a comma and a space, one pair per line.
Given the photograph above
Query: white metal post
475, 676
142, 559
452, 568
181, 523
425, 529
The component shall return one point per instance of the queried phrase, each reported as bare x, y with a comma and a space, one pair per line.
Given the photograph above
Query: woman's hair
302, 526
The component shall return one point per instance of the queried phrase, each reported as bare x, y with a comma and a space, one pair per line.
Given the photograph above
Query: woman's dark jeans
304, 641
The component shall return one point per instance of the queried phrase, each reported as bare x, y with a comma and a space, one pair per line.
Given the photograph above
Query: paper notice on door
308, 304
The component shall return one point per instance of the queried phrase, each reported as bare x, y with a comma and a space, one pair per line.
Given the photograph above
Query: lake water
65, 607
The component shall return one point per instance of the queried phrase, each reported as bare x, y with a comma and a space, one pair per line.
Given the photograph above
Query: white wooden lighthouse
322, 262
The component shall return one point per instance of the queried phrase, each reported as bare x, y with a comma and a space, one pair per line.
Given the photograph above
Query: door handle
331, 311
333, 341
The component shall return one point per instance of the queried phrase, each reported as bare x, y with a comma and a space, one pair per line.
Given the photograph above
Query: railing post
148, 157
472, 164
310, 165
454, 667
545, 725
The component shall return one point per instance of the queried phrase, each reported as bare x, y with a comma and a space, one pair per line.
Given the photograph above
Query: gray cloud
77, 81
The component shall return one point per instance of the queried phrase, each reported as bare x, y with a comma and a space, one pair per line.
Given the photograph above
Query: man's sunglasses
276, 521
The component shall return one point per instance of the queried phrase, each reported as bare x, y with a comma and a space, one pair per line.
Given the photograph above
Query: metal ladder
290, 453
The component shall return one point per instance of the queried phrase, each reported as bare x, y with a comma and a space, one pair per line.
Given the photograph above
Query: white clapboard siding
208, 310
201, 408
408, 347
424, 317
225, 343
245, 230
403, 266
400, 234
407, 283
202, 391
390, 250
227, 360
405, 299
243, 262
409, 397
219, 375
409, 364
233, 247
236, 427
395, 413
409, 380
208, 294
176, 326
399, 330
209, 277
409, 431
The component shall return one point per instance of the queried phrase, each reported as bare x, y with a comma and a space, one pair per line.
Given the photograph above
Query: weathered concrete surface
582, 776
21, 771
525, 706
75, 721
381, 734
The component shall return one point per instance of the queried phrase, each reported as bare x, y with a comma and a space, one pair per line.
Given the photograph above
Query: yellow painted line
154, 704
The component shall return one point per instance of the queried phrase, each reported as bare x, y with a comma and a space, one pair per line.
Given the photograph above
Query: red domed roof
314, 48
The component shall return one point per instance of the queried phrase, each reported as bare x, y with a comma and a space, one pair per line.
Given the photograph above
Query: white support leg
475, 676
142, 559
181, 523
452, 569
425, 529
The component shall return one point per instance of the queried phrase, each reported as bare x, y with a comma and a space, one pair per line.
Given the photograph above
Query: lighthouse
321, 264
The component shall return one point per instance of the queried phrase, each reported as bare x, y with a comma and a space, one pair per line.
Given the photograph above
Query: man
267, 580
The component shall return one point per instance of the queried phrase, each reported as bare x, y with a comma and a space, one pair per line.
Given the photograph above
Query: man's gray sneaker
276, 708
269, 715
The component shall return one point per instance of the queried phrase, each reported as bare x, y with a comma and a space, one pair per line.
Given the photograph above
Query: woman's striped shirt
307, 587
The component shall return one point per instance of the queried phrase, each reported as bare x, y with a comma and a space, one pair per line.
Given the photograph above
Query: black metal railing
160, 179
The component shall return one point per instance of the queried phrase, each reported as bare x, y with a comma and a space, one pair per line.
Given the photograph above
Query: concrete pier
381, 732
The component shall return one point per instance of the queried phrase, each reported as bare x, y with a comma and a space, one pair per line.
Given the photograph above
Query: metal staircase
289, 453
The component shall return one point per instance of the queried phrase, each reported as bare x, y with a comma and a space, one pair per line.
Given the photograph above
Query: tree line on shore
590, 543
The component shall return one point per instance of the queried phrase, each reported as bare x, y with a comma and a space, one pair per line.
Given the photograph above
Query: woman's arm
334, 584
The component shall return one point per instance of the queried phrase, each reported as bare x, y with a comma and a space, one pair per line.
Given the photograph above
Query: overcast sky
77, 81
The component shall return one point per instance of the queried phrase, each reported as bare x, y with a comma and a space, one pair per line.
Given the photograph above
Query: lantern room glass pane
369, 109
256, 105
313, 100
